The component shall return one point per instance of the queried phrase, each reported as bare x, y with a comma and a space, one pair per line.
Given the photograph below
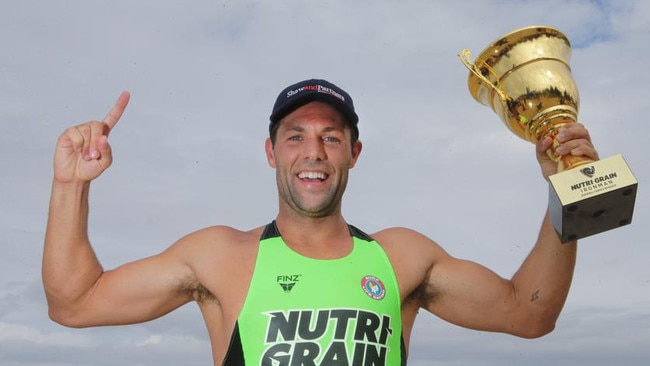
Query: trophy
525, 78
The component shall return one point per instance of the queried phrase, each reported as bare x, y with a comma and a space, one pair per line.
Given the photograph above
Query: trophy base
592, 198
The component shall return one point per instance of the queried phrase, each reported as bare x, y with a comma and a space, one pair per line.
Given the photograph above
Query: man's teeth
311, 175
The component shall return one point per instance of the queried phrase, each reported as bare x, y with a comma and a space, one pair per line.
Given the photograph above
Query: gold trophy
525, 78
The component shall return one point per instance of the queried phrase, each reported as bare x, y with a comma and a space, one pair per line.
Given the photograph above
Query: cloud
18, 333
189, 153
585, 335
26, 345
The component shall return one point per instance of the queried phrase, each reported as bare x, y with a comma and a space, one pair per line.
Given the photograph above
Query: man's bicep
469, 295
136, 292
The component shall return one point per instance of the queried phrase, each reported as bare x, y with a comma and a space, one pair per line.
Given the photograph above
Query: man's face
312, 155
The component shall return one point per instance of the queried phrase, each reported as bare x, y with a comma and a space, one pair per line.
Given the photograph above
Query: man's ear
270, 155
356, 151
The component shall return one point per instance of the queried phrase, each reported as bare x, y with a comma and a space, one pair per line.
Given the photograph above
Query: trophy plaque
526, 79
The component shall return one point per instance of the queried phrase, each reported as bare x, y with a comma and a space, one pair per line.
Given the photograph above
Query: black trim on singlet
359, 234
235, 353
271, 231
403, 355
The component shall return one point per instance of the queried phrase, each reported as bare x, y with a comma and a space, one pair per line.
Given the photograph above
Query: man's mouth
312, 176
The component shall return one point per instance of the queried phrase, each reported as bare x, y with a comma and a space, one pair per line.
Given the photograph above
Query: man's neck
324, 238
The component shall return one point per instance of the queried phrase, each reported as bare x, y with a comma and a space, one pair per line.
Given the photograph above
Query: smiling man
308, 288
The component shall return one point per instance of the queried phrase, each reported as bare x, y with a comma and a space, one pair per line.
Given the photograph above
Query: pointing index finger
116, 112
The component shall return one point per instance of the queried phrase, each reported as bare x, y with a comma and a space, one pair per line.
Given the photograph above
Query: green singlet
301, 311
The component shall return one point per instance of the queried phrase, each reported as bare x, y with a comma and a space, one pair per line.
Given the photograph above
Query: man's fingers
115, 113
572, 131
85, 133
574, 139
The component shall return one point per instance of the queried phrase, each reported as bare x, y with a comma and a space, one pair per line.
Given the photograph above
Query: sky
189, 153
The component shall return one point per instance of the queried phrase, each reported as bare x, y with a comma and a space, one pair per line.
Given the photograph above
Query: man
308, 288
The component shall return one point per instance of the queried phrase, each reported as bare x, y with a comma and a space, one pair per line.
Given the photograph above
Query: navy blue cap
306, 91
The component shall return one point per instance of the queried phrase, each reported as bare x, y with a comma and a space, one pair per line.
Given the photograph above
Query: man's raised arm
70, 267
79, 292
529, 304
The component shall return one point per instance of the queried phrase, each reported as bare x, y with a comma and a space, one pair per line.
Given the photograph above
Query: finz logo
373, 287
588, 171
287, 282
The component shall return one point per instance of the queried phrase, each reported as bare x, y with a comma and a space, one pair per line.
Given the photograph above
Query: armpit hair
424, 294
197, 291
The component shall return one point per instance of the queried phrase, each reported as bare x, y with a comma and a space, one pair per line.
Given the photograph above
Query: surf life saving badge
373, 287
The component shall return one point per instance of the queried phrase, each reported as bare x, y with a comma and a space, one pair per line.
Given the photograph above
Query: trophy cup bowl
525, 78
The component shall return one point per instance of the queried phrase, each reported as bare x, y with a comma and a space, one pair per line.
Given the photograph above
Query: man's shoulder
412, 255
404, 242
223, 235
401, 235
218, 240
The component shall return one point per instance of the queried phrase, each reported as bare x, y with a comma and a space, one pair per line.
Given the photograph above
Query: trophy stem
547, 124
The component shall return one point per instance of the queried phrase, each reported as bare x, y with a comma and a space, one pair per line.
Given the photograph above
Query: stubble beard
329, 203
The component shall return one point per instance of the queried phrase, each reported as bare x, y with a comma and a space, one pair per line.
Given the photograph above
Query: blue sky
189, 153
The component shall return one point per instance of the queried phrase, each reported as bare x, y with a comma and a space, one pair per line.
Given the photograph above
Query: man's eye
331, 139
295, 138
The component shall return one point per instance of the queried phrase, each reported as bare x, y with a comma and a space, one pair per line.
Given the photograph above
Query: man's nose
315, 149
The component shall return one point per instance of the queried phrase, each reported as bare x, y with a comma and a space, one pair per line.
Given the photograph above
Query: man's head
312, 146
301, 93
